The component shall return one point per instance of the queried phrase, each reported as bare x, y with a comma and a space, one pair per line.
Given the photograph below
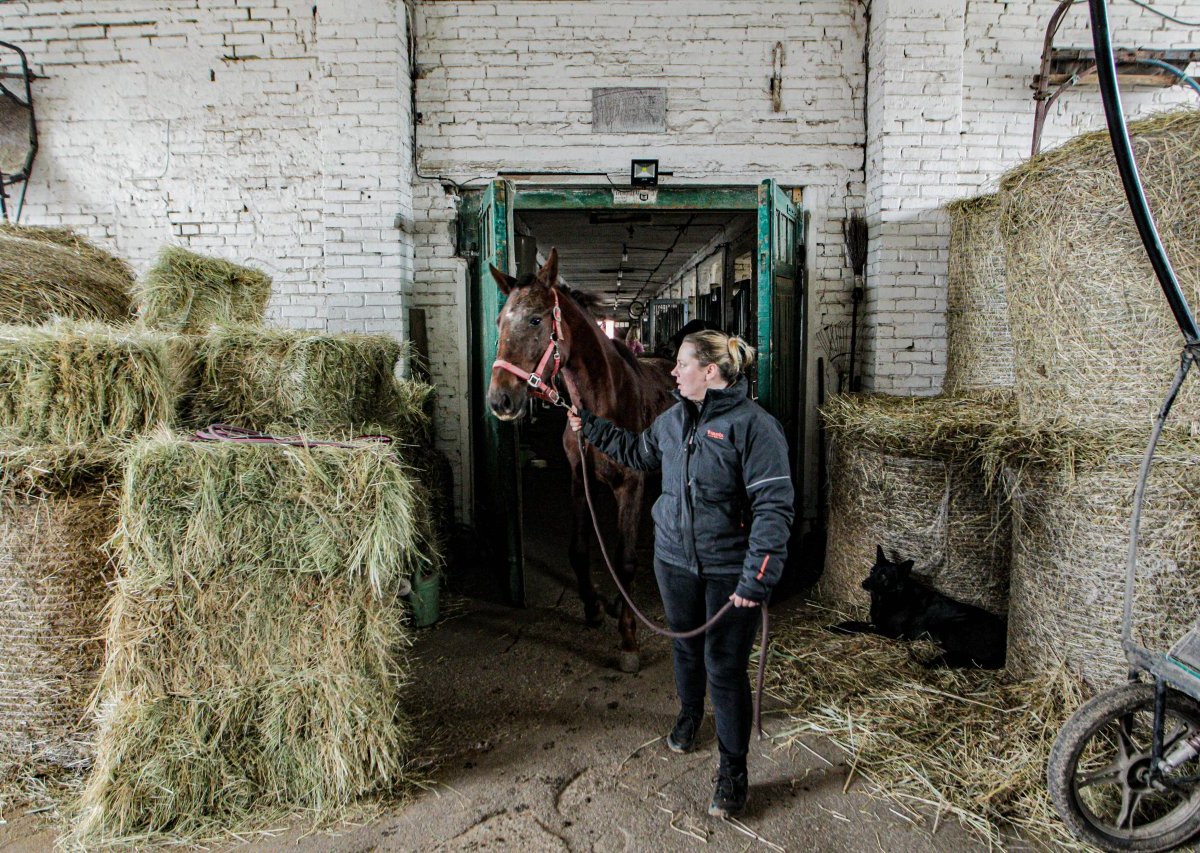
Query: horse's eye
535, 321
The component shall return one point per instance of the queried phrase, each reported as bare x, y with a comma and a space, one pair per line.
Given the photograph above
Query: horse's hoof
591, 615
630, 662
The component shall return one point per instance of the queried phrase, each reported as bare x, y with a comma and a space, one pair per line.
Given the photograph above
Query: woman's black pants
718, 658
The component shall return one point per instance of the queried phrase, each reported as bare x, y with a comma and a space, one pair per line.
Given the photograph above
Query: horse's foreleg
580, 553
629, 517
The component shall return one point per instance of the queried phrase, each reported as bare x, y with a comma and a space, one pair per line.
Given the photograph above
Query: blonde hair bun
731, 354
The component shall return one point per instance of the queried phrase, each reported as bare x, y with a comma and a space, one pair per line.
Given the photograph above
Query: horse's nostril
500, 402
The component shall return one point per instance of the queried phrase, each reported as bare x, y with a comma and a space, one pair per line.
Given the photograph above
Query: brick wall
269, 134
507, 86
255, 130
949, 110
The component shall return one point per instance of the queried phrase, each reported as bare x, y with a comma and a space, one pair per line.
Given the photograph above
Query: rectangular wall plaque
629, 110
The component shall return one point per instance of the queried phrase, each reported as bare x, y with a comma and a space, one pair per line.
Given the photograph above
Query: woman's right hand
573, 420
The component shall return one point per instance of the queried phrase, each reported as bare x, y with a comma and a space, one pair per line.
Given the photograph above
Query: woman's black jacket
727, 499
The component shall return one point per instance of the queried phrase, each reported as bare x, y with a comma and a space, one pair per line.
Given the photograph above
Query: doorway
651, 261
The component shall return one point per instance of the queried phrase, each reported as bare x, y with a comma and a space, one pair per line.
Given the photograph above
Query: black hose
1111, 94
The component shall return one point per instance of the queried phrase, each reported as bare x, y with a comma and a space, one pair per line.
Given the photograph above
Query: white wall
949, 110
255, 130
265, 133
507, 85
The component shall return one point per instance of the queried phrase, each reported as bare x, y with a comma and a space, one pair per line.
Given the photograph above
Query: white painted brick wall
507, 85
950, 109
285, 138
255, 130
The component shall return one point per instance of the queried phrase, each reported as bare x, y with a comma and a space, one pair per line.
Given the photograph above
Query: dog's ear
905, 569
879, 558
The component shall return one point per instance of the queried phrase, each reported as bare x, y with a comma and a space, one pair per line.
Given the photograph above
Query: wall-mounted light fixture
644, 173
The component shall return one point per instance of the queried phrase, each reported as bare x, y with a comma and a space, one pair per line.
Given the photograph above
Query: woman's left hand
738, 601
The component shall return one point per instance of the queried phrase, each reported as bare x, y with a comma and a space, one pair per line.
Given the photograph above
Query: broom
854, 231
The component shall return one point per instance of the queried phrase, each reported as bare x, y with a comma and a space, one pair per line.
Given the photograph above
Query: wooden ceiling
647, 246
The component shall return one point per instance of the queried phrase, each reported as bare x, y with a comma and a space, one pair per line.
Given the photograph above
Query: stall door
779, 314
497, 473
667, 316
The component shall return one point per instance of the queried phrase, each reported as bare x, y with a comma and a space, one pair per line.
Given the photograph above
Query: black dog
903, 609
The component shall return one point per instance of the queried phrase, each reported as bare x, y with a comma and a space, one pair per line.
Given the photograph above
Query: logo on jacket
712, 433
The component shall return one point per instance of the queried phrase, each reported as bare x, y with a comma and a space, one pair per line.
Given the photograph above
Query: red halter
540, 385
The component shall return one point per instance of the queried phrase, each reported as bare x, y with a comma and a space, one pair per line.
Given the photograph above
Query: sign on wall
629, 110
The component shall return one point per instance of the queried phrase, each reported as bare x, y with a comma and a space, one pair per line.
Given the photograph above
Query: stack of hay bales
918, 476
48, 273
1095, 347
908, 475
255, 640
255, 649
256, 637
70, 393
1052, 266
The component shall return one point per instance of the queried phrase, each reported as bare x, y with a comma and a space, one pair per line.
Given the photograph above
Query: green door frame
623, 198
489, 213
497, 460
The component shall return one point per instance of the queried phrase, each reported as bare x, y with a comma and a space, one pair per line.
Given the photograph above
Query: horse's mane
587, 301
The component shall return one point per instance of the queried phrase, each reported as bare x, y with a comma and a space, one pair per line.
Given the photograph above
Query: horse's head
525, 327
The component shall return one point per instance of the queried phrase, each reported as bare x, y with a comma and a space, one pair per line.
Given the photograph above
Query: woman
633, 340
721, 532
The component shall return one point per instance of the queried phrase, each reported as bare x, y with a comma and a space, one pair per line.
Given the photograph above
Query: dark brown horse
610, 381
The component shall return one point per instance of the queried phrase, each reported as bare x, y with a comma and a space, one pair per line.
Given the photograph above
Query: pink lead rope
225, 432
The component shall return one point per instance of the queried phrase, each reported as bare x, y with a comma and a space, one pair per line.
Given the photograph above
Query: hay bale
1070, 534
73, 383
979, 354
969, 744
255, 642
53, 575
435, 479
904, 475
187, 292
48, 273
55, 516
289, 380
1093, 337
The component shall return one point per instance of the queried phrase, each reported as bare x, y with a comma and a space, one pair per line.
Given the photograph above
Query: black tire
1095, 774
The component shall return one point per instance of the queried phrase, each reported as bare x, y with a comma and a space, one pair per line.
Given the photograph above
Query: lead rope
226, 432
764, 637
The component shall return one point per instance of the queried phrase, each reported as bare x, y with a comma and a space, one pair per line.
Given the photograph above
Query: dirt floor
532, 740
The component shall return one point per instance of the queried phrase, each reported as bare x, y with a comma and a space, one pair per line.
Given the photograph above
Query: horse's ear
506, 282
906, 568
548, 274
879, 558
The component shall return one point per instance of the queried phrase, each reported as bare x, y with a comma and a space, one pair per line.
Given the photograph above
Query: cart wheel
1099, 765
